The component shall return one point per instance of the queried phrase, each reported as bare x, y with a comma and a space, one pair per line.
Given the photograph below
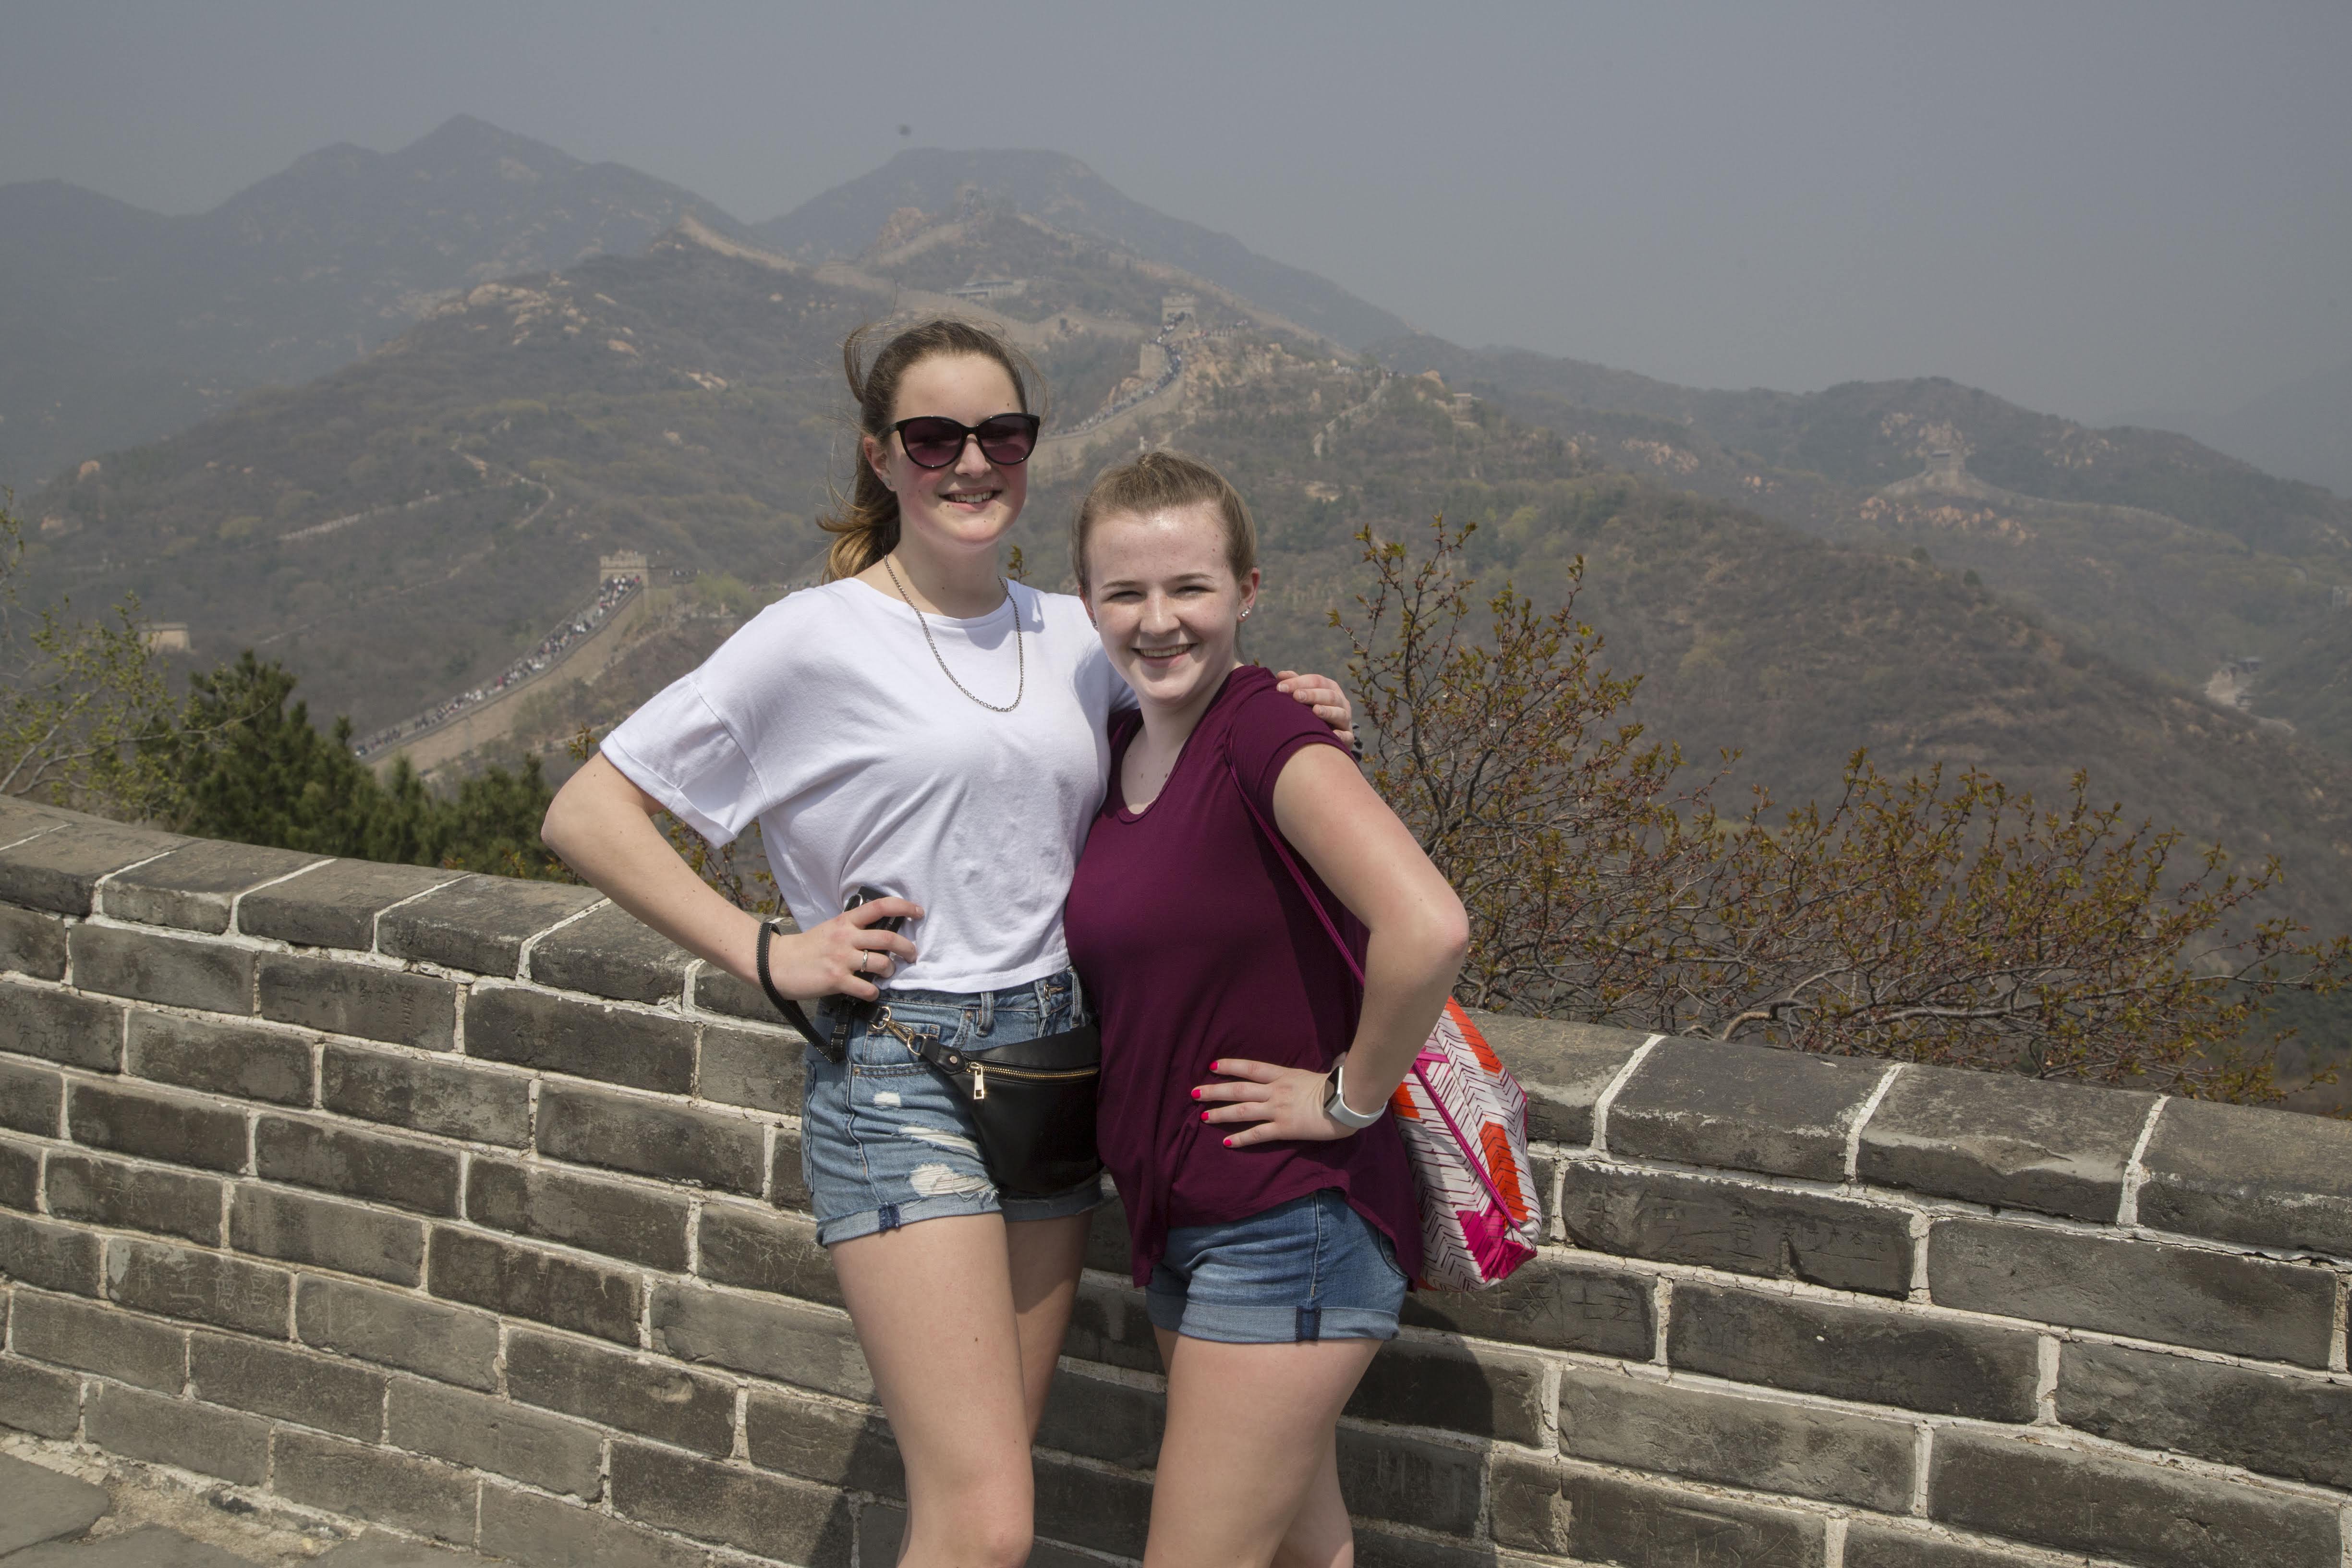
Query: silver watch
1336, 1106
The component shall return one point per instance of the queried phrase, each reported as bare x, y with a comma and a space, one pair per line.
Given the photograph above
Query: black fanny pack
1031, 1102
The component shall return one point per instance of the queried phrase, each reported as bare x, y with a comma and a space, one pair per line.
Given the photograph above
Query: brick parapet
471, 1208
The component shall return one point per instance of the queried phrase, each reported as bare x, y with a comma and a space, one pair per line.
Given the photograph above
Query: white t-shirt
827, 719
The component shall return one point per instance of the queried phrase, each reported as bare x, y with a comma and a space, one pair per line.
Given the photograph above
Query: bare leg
1320, 1535
934, 1307
1045, 1257
1247, 1468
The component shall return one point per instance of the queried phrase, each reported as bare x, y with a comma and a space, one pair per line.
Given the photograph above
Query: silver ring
861, 961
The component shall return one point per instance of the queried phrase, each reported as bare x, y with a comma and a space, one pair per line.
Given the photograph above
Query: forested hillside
2140, 544
417, 517
684, 402
119, 325
1749, 635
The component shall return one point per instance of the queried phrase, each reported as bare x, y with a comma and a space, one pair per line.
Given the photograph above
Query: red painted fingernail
1229, 1143
1196, 1094
1204, 1116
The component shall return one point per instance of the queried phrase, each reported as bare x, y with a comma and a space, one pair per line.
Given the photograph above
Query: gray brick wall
471, 1208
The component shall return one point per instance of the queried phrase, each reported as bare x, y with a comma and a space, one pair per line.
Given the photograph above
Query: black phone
866, 895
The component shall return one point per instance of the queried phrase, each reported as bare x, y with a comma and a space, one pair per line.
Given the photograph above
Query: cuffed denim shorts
886, 1141
1312, 1268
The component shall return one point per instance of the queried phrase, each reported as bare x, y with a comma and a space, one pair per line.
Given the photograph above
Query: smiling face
1165, 599
965, 507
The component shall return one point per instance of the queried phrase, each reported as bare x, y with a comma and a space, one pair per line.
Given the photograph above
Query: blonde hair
1161, 481
865, 523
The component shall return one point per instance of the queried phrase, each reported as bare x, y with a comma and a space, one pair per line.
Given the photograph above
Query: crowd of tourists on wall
611, 594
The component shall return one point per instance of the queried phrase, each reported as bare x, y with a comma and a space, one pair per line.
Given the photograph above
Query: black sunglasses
933, 441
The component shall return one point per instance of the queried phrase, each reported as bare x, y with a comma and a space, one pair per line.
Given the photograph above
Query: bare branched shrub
75, 697
1930, 919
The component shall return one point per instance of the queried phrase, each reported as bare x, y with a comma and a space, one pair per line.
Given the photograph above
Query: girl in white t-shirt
921, 726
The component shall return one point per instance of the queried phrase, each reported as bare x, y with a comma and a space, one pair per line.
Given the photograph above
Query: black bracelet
783, 1004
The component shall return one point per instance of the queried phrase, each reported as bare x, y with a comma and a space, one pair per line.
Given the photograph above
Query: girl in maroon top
1244, 1076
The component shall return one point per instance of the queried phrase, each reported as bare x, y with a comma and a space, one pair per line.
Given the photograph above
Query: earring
1246, 610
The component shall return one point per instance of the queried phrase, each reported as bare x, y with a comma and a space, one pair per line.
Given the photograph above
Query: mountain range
119, 325
2302, 429
1071, 197
1915, 566
2141, 543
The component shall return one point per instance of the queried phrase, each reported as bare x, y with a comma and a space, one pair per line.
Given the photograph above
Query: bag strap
1472, 1155
1297, 875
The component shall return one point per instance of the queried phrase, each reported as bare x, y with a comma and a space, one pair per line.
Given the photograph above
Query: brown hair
1162, 481
866, 523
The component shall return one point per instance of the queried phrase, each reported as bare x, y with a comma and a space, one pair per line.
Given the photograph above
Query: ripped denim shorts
886, 1141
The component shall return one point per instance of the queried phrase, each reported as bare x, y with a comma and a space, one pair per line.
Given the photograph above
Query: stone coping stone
60, 870
335, 904
480, 923
37, 1504
20, 819
1742, 1108
2261, 1178
2005, 1139
612, 953
1563, 1066
194, 888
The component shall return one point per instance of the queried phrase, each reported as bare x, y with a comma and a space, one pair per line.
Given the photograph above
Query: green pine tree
245, 766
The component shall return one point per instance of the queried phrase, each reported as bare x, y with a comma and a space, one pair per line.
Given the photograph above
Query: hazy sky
2089, 208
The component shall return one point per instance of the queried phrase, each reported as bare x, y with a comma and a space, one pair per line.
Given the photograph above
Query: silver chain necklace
1019, 659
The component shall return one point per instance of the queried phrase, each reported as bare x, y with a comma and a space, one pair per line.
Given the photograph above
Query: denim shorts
886, 1141
1312, 1268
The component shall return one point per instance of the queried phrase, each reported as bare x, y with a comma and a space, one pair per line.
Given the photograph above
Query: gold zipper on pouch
1024, 1075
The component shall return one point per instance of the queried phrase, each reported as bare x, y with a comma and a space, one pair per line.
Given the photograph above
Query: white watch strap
1336, 1106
